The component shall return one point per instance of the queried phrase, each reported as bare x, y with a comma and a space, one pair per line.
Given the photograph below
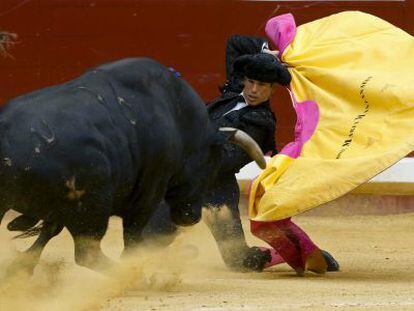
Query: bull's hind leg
2, 215
27, 261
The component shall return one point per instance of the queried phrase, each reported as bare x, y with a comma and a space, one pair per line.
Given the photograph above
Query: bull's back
114, 122
164, 97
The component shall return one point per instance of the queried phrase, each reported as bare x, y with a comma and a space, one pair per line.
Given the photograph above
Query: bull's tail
33, 231
28, 225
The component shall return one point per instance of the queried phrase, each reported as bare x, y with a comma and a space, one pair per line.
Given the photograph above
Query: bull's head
186, 199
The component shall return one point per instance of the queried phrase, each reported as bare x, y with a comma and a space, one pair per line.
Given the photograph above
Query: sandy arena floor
375, 252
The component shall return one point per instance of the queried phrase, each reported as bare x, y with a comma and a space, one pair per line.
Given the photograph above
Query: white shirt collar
239, 105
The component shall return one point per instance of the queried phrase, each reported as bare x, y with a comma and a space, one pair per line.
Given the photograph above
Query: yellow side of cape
359, 70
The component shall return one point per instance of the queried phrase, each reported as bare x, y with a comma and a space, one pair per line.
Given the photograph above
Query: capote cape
353, 92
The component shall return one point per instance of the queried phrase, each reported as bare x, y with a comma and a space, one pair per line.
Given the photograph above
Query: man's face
257, 92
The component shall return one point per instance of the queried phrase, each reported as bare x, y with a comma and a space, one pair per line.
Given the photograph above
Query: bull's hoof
21, 223
256, 259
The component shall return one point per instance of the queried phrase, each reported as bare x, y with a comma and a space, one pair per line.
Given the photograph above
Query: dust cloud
59, 284
375, 253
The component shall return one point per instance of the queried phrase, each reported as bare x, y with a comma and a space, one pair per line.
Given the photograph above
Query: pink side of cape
281, 30
307, 118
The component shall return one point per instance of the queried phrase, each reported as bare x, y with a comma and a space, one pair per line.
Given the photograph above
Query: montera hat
262, 67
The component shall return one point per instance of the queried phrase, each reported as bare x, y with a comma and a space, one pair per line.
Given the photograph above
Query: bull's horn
240, 138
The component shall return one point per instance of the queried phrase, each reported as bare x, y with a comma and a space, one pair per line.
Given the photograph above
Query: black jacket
257, 121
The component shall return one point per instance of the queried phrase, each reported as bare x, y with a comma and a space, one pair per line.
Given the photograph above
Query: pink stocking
290, 241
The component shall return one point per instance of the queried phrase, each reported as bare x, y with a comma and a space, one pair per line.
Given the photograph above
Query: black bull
118, 140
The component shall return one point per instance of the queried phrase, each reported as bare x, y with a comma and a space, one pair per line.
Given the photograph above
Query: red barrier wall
59, 39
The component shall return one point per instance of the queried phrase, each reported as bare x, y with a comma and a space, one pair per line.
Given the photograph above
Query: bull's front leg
145, 200
143, 205
133, 225
160, 231
181, 211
